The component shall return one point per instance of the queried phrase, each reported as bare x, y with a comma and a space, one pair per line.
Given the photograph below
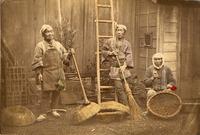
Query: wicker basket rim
167, 116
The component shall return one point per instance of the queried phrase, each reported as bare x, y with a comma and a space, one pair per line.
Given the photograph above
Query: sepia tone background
175, 26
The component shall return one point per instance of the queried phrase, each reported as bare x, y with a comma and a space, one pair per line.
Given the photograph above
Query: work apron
53, 73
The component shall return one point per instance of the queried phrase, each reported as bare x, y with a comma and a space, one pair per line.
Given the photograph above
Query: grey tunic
124, 53
165, 77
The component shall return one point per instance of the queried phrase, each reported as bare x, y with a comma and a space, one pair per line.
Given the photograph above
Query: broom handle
79, 76
121, 69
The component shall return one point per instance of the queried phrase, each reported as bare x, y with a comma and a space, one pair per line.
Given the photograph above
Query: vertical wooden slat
39, 18
77, 21
1, 82
66, 9
89, 37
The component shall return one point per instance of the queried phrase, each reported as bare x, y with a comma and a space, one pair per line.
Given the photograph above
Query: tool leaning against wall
89, 109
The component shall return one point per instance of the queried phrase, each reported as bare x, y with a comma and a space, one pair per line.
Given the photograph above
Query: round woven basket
17, 116
164, 104
85, 113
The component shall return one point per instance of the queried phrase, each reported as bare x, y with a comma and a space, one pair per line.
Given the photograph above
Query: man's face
120, 33
48, 34
158, 61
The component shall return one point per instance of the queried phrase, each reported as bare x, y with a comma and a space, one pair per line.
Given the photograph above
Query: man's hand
155, 74
167, 90
113, 53
169, 86
72, 50
123, 67
40, 77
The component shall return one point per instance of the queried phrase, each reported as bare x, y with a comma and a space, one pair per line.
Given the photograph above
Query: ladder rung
108, 91
103, 36
104, 69
71, 73
106, 87
104, 6
107, 98
104, 21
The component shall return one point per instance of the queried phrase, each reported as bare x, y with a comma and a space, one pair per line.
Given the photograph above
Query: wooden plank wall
23, 19
168, 43
17, 28
146, 21
189, 48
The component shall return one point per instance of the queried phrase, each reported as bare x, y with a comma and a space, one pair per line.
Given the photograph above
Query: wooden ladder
111, 21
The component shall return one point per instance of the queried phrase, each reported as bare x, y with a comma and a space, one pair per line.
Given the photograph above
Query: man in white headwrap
48, 60
158, 76
121, 47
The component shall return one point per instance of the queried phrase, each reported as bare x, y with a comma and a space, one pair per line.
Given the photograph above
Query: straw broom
90, 109
135, 110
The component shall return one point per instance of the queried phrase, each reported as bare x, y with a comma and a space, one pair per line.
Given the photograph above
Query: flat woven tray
17, 116
164, 104
85, 113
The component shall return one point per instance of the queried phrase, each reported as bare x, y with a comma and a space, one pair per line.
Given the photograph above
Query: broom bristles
135, 110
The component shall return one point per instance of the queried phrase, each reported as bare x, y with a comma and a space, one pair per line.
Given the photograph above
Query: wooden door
190, 53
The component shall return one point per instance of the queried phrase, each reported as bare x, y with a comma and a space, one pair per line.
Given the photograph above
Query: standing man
159, 77
48, 60
121, 47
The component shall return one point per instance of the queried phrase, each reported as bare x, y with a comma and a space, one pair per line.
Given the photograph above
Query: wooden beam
187, 2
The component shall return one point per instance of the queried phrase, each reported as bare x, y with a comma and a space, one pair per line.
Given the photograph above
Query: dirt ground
150, 125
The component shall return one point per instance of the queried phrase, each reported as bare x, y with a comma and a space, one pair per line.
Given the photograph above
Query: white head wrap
121, 26
44, 27
158, 55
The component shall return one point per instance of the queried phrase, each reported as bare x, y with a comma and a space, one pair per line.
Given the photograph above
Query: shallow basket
17, 116
164, 104
85, 113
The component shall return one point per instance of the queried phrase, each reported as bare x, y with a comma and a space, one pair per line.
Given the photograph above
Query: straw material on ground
85, 113
164, 104
107, 117
113, 106
17, 116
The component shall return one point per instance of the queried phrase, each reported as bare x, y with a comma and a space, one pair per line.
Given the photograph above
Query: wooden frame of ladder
98, 36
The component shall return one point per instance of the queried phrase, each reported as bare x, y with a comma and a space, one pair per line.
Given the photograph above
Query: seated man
158, 76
